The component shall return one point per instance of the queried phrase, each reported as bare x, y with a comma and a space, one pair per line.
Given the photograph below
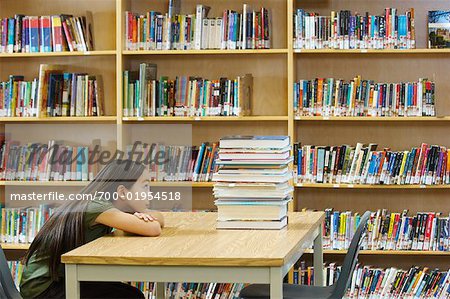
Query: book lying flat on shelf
439, 29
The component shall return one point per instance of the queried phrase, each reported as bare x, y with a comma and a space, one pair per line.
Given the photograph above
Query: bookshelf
274, 70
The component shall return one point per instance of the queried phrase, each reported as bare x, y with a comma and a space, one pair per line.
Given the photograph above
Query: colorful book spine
20, 225
249, 29
388, 231
343, 30
181, 163
144, 96
335, 97
364, 164
56, 33
46, 162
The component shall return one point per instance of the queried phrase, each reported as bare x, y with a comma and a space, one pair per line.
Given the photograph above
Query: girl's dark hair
64, 230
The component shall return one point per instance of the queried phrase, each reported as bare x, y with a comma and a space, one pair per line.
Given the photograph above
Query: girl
78, 222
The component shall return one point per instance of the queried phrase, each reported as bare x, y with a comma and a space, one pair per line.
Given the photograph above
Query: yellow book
391, 226
402, 167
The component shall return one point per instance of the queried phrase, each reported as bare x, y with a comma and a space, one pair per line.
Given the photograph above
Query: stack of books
252, 182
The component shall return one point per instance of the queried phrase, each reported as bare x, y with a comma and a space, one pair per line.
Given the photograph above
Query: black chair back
341, 285
8, 289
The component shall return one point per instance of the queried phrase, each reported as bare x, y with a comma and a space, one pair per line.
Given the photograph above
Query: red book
68, 34
57, 40
429, 224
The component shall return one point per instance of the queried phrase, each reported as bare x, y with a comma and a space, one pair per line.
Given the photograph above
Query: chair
7, 287
337, 290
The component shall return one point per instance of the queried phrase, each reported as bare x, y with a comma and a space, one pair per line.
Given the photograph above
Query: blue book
46, 34
80, 159
11, 35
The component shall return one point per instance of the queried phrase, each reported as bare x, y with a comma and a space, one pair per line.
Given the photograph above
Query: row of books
184, 96
16, 268
179, 290
346, 30
251, 185
180, 163
388, 231
55, 93
54, 161
375, 282
56, 33
153, 30
364, 164
358, 97
21, 225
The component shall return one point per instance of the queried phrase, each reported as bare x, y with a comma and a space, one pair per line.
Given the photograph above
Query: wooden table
190, 249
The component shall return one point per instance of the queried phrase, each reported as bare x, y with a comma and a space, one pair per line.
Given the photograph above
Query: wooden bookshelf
12, 246
205, 119
370, 51
59, 54
206, 52
385, 252
275, 71
370, 119
361, 186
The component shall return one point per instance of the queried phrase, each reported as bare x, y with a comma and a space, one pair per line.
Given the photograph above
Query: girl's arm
129, 223
157, 215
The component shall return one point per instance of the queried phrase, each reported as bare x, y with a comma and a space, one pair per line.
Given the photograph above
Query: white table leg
318, 259
72, 283
160, 290
276, 283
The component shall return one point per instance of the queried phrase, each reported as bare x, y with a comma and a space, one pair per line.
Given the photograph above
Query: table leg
318, 259
160, 290
276, 283
72, 283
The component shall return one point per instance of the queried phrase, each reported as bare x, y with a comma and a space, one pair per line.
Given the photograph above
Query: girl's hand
144, 216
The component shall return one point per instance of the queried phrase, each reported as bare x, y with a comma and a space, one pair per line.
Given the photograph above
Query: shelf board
369, 118
61, 119
183, 184
84, 183
45, 183
13, 246
205, 118
59, 54
360, 186
371, 51
383, 252
205, 52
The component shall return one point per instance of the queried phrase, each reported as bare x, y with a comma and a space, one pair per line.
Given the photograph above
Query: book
344, 30
439, 29
254, 142
251, 209
253, 224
